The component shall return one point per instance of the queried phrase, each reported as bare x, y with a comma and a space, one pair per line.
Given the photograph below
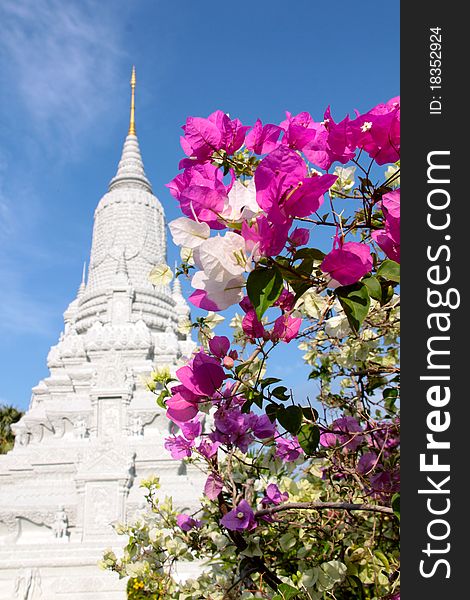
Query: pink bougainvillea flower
274, 495
348, 263
240, 518
232, 132
286, 328
262, 427
267, 238
283, 188
307, 196
202, 376
299, 130
285, 300
178, 447
252, 326
288, 450
214, 485
186, 523
201, 193
279, 172
389, 238
366, 463
207, 448
345, 432
219, 345
182, 406
201, 138
378, 132
191, 429
263, 139
299, 237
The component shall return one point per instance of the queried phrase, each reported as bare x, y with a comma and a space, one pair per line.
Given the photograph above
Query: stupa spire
130, 171
132, 118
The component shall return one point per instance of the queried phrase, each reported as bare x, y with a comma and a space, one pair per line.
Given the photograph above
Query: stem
323, 505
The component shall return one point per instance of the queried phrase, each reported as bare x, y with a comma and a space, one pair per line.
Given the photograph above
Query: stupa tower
93, 430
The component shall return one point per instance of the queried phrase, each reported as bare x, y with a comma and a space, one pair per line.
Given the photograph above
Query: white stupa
93, 430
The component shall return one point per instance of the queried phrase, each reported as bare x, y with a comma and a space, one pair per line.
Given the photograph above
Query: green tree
8, 416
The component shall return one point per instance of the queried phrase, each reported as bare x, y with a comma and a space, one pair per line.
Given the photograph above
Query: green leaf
355, 301
389, 270
309, 438
310, 414
396, 505
312, 253
280, 393
359, 590
271, 411
374, 288
286, 592
161, 398
268, 381
264, 287
387, 293
290, 418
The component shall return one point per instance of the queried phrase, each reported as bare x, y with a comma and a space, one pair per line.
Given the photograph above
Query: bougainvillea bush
293, 231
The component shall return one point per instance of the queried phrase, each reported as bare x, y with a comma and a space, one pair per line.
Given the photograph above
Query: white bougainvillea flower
213, 319
186, 255
345, 181
338, 326
314, 304
241, 204
221, 293
222, 257
161, 274
188, 233
392, 179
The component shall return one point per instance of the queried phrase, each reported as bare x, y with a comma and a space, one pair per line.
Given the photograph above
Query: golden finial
132, 120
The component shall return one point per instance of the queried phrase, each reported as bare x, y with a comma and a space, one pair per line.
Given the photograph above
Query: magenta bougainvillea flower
283, 189
348, 263
241, 518
204, 136
202, 376
378, 132
266, 237
288, 450
207, 448
191, 429
182, 405
252, 326
201, 193
299, 237
262, 427
274, 495
285, 301
345, 432
214, 485
219, 345
186, 523
286, 328
263, 139
178, 447
299, 130
389, 238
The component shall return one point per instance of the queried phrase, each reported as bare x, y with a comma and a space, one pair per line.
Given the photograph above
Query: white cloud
61, 58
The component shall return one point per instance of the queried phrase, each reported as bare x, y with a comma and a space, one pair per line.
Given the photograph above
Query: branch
322, 505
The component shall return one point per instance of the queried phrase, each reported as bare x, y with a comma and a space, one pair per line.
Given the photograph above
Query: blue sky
64, 97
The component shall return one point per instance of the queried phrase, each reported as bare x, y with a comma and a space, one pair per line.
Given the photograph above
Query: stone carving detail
136, 428
61, 525
28, 585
